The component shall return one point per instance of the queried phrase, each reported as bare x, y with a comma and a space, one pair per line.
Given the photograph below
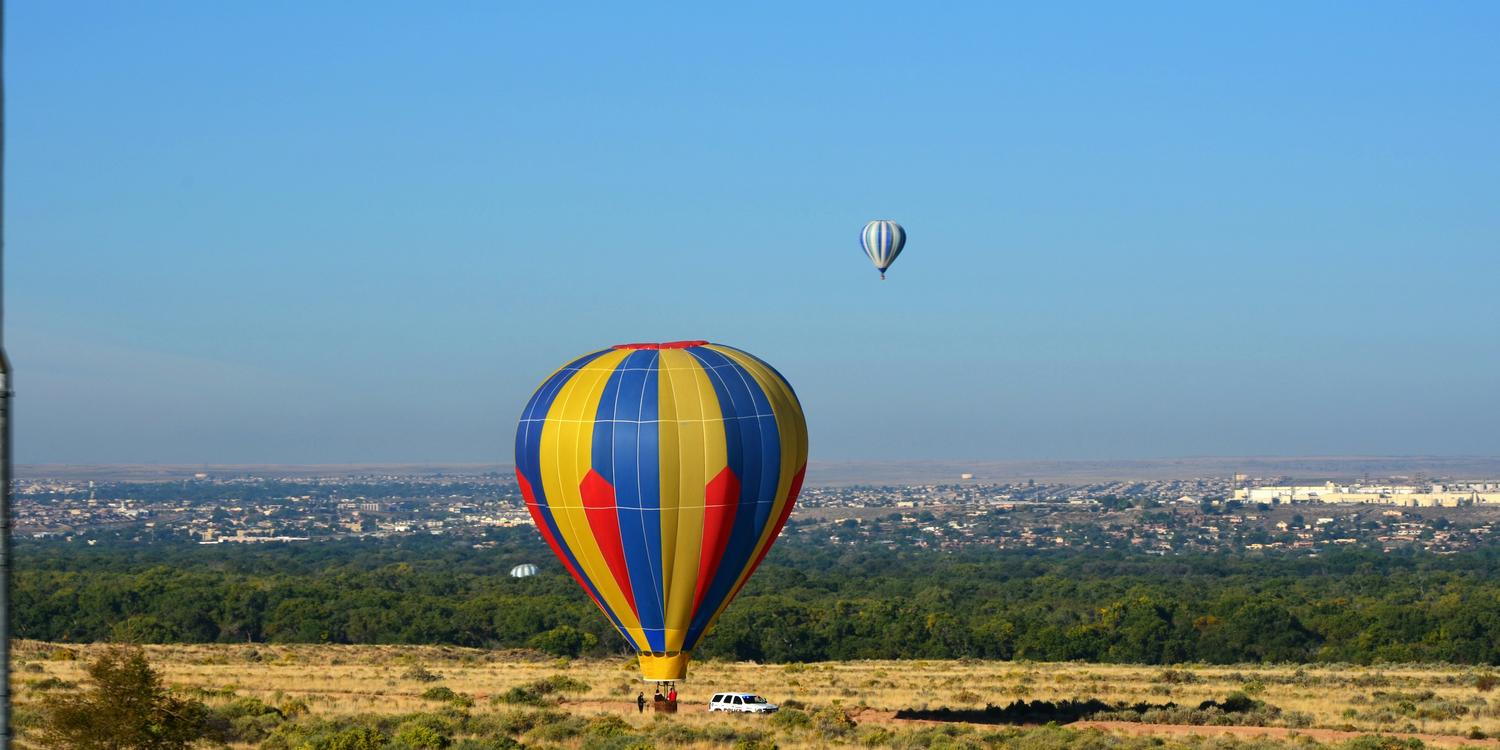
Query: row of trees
808, 602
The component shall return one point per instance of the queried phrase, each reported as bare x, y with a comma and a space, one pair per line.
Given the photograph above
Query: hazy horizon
294, 234
834, 473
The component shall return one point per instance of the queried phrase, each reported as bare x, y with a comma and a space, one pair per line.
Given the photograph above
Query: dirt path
1321, 735
629, 707
1326, 736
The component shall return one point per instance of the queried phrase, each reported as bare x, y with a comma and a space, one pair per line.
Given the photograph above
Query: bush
756, 743
420, 735
563, 640
124, 706
1381, 742
525, 695
498, 743
420, 674
516, 723
357, 738
564, 727
561, 683
791, 718
608, 726
446, 694
1177, 677
832, 723
247, 719
542, 692
53, 683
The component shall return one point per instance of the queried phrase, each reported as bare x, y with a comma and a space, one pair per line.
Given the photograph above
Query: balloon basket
665, 701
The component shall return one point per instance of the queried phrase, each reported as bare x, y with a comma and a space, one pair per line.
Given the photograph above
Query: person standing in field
640, 703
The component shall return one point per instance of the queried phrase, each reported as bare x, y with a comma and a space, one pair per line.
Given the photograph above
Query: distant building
1440, 496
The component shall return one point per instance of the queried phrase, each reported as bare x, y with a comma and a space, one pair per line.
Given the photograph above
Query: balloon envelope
523, 571
660, 475
882, 241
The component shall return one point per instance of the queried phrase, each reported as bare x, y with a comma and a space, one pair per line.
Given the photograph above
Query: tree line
809, 602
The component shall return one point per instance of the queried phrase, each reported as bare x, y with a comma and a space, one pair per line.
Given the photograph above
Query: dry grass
336, 680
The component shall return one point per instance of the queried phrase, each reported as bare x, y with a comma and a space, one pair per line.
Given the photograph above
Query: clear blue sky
323, 232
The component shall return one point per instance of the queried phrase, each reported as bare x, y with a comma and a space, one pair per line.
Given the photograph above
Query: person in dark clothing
640, 703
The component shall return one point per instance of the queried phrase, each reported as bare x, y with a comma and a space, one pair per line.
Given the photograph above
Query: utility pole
5, 432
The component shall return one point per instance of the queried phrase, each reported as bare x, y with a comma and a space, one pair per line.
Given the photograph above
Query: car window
757, 699
718, 698
737, 700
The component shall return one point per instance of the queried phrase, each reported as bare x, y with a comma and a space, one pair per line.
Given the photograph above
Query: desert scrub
447, 695
543, 692
420, 674
561, 729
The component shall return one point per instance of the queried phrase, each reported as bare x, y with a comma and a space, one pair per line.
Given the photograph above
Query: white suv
748, 703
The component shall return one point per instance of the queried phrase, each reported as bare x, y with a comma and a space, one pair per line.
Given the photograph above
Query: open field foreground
308, 697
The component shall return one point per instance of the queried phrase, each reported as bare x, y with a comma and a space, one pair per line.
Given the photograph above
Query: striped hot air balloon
660, 475
882, 241
526, 570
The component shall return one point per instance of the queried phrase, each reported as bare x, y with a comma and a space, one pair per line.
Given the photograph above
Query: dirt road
1321, 735
1326, 736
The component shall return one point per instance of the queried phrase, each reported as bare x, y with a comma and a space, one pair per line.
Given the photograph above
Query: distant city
1165, 517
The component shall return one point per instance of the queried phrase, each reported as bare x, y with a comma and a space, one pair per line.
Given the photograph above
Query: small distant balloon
882, 241
523, 571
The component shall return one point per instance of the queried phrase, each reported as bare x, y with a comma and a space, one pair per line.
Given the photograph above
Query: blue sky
294, 232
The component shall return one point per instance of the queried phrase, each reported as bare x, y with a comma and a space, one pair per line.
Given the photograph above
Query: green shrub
525, 695
498, 743
125, 705
542, 692
562, 727
1381, 742
294, 708
357, 738
608, 725
832, 722
1177, 677
420, 674
561, 683
419, 735
53, 683
563, 640
791, 718
516, 723
447, 695
246, 706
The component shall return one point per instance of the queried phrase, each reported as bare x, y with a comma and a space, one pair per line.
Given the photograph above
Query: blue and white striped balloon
883, 241
523, 571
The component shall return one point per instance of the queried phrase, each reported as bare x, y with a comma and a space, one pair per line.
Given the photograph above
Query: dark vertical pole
5, 474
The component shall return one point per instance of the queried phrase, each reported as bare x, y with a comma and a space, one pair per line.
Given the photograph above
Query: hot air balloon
660, 475
523, 571
882, 241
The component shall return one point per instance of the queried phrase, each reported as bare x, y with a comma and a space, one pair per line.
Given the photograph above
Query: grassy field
831, 704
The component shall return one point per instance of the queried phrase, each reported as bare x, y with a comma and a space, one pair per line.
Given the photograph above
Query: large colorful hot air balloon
882, 241
660, 475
